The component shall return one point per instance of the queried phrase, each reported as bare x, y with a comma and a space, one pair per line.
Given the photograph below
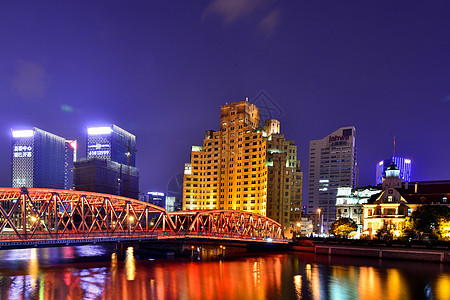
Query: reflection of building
234, 170
389, 209
38, 159
349, 202
110, 164
404, 165
332, 164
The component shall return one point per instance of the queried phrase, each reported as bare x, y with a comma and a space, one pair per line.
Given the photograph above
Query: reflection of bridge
49, 217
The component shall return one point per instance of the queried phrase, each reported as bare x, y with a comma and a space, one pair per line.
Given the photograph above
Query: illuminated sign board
22, 151
338, 138
99, 149
22, 133
99, 130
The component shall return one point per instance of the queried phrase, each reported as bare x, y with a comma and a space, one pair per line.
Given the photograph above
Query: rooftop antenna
393, 154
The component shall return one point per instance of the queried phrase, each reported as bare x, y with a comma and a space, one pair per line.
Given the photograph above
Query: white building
332, 164
349, 202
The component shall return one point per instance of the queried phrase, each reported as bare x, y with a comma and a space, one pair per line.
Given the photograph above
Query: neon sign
22, 151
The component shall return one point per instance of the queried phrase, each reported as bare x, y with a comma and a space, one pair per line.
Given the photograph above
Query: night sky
162, 69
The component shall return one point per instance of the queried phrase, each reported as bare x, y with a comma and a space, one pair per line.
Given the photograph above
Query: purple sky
162, 69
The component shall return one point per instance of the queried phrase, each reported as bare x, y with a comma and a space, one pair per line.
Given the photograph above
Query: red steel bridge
49, 217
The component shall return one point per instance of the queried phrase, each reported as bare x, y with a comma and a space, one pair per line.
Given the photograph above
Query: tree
430, 221
343, 226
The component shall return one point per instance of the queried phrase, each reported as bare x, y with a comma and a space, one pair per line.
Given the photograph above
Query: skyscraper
110, 164
38, 159
403, 164
233, 167
111, 143
332, 164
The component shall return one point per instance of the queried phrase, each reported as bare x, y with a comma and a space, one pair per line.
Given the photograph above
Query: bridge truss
37, 216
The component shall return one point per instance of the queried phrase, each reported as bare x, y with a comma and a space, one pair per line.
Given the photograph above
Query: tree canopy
343, 226
430, 221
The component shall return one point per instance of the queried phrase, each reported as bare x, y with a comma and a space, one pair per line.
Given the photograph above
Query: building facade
332, 164
284, 179
107, 177
234, 169
350, 201
389, 209
403, 164
38, 159
110, 166
111, 143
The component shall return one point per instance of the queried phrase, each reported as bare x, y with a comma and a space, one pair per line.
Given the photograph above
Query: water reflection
277, 276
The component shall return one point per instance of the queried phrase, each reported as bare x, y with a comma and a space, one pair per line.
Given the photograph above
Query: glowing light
22, 133
323, 180
33, 219
131, 218
407, 161
380, 163
99, 130
298, 224
269, 240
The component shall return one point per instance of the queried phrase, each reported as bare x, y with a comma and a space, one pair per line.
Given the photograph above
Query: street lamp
320, 220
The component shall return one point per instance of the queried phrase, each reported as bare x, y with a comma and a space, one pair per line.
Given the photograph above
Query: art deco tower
233, 167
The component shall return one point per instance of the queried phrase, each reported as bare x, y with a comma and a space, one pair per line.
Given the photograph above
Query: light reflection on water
274, 276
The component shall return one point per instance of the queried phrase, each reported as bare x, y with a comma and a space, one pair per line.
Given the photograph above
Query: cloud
30, 80
233, 10
269, 23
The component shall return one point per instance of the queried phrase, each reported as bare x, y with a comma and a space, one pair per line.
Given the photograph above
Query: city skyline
386, 76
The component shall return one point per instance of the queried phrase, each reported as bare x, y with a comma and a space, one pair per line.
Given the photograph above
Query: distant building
403, 164
155, 198
107, 177
39, 160
284, 185
70, 158
389, 208
173, 204
111, 143
349, 203
110, 163
332, 164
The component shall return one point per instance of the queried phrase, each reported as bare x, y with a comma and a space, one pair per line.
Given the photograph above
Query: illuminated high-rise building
403, 164
231, 170
284, 179
332, 164
110, 164
38, 159
111, 143
70, 157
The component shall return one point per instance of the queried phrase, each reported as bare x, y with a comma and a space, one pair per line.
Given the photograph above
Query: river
93, 272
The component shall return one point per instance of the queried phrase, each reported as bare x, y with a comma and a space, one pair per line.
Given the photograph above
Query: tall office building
332, 164
232, 168
38, 159
403, 164
284, 184
110, 164
111, 143
70, 157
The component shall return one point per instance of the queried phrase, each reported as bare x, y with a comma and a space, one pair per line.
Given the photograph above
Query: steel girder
60, 214
227, 223
37, 214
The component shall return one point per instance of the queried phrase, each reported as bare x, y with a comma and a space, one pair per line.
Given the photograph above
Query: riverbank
387, 251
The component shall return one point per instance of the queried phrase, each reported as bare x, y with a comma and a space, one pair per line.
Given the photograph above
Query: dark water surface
92, 272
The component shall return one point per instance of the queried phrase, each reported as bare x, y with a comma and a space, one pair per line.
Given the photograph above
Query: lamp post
320, 220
